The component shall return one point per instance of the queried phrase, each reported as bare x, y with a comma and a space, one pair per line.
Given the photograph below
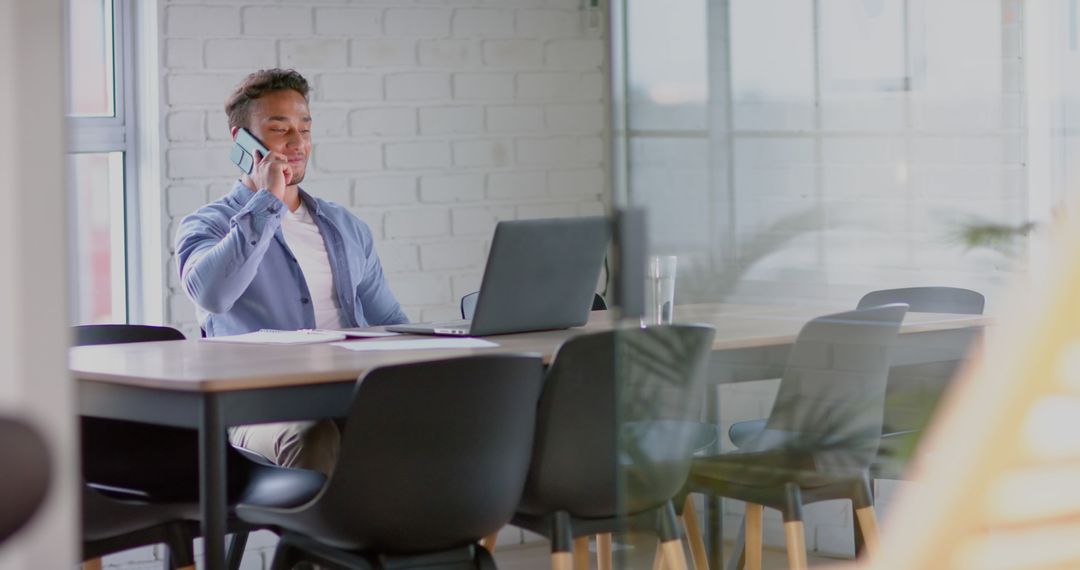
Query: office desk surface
199, 366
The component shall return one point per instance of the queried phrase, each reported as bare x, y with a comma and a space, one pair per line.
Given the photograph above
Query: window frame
132, 131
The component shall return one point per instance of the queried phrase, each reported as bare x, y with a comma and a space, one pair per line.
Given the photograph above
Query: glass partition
804, 166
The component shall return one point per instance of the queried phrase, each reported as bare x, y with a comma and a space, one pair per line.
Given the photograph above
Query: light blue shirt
235, 265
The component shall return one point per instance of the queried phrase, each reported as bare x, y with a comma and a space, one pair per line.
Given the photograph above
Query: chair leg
488, 542
693, 535
94, 564
796, 544
236, 550
484, 560
561, 542
561, 561
867, 522
581, 553
674, 557
754, 513
603, 551
179, 550
860, 541
284, 557
669, 555
658, 558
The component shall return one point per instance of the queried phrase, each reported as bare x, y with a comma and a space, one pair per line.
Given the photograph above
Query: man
269, 255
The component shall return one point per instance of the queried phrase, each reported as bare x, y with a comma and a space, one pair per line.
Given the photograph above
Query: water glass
659, 290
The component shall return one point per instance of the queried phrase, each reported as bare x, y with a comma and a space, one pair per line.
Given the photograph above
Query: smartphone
243, 153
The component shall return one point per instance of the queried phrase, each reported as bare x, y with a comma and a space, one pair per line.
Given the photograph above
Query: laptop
540, 275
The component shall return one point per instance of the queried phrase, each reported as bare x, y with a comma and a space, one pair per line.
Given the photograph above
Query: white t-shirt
307, 245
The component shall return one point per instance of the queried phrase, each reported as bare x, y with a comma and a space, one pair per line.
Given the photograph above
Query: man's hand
271, 172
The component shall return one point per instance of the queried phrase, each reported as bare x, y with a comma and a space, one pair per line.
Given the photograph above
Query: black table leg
212, 482
713, 530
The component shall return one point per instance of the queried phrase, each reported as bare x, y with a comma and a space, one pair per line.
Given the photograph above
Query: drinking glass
659, 290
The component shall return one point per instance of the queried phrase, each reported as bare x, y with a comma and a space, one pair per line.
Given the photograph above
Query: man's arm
373, 293
217, 265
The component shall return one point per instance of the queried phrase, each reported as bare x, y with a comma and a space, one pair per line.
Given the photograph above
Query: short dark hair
238, 105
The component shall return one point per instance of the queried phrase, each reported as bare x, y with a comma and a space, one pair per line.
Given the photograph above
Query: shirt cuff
263, 203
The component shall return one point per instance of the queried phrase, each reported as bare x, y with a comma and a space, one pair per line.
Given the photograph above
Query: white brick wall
430, 122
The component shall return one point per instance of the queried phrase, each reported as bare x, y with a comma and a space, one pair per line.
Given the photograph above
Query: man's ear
233, 131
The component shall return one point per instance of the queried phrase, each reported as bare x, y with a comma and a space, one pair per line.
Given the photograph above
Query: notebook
540, 275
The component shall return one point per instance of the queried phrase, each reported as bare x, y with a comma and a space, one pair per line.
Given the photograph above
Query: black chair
24, 482
913, 390
616, 427
468, 304
141, 480
928, 300
433, 457
821, 435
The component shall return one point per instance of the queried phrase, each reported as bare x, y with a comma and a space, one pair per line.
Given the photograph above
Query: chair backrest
88, 335
928, 300
433, 454
468, 304
24, 480
159, 460
617, 421
831, 397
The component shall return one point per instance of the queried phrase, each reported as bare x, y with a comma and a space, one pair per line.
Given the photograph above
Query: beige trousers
307, 445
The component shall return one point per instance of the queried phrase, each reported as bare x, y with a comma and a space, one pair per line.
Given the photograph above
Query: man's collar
242, 194
309, 201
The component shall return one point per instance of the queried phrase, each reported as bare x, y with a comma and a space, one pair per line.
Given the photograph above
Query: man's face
282, 121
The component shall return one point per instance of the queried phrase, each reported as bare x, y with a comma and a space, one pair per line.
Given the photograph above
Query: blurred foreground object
25, 480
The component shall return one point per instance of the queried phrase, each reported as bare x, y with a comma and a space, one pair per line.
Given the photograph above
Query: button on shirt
237, 267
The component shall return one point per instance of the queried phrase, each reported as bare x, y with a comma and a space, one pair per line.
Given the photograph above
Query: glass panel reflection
90, 59
836, 149
98, 237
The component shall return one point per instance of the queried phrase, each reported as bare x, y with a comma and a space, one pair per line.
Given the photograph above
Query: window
100, 160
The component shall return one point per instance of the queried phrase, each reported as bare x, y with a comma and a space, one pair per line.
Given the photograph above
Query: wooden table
209, 386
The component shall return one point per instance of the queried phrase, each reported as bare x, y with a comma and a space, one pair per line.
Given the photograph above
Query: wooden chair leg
603, 551
581, 553
795, 534
488, 542
693, 535
867, 522
754, 513
94, 564
561, 561
674, 557
658, 559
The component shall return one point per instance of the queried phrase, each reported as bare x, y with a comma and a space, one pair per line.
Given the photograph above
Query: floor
632, 553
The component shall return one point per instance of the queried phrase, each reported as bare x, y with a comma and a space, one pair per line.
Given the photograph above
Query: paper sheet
367, 334
267, 336
417, 344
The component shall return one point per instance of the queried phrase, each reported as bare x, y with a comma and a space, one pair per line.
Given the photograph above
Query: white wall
432, 121
34, 382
